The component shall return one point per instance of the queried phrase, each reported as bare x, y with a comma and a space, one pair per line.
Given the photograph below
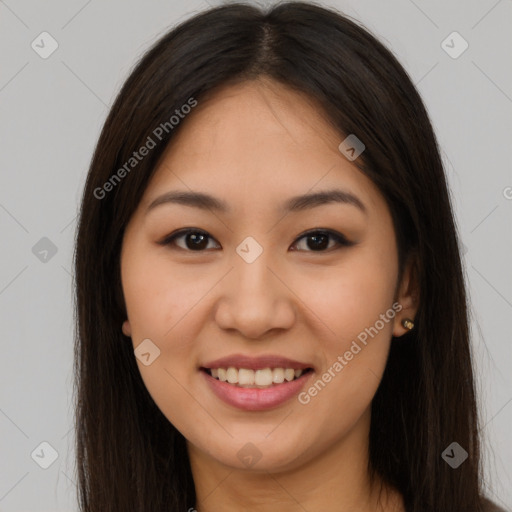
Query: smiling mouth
257, 379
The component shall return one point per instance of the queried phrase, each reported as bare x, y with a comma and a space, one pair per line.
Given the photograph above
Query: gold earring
407, 323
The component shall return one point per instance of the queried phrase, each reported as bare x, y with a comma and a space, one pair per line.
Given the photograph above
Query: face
264, 289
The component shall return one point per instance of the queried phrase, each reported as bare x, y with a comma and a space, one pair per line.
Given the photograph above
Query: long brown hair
129, 456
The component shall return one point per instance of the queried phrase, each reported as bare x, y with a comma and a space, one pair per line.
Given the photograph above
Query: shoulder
489, 506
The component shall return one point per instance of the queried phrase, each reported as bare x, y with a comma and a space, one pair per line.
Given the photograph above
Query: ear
407, 296
127, 330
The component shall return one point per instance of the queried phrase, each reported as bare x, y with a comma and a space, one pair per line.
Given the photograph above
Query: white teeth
263, 377
289, 374
245, 377
232, 375
278, 376
255, 378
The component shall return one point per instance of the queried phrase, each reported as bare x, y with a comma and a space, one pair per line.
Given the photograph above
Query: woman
271, 312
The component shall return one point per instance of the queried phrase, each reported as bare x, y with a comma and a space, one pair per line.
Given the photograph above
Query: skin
254, 145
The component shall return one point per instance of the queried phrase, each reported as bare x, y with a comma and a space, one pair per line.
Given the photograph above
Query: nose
254, 300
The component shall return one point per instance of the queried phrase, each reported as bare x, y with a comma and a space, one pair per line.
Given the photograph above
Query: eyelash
337, 237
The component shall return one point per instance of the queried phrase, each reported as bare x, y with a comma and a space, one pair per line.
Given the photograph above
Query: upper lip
256, 363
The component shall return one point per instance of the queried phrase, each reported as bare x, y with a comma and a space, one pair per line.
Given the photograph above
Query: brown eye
318, 241
193, 240
197, 240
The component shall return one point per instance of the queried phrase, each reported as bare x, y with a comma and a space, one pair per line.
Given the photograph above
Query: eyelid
339, 238
169, 239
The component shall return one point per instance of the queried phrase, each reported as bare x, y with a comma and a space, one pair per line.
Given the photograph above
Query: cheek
158, 294
357, 306
158, 301
352, 295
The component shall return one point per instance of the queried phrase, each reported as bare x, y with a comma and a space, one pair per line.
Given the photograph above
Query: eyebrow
295, 204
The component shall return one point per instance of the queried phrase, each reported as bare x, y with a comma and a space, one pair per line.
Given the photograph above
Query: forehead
257, 115
257, 141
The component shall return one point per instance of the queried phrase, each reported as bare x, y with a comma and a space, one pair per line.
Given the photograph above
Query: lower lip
256, 399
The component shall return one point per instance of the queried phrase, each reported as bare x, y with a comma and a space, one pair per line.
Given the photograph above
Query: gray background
51, 112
